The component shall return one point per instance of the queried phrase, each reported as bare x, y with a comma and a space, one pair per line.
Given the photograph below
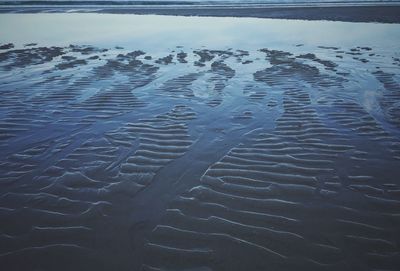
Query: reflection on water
150, 31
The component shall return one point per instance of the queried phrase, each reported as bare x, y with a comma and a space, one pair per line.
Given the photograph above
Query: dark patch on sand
30, 44
93, 57
33, 56
181, 57
68, 58
165, 60
6, 46
205, 55
86, 50
71, 64
329, 47
328, 64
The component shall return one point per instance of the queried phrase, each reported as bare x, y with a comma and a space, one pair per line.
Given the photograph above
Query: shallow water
169, 143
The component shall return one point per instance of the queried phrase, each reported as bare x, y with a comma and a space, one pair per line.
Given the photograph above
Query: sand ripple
199, 159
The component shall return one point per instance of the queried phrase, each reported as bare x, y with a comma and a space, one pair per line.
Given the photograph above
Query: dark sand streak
381, 14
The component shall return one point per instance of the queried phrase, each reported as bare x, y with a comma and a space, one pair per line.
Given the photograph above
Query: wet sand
385, 14
206, 155
382, 14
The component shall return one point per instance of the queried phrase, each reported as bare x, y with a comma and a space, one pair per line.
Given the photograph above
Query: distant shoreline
380, 14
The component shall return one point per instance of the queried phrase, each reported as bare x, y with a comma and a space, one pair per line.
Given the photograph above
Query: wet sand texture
374, 13
199, 159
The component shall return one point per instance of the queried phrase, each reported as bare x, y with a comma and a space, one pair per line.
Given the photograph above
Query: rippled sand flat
235, 144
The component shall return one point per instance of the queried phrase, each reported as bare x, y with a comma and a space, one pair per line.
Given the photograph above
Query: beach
346, 13
153, 142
